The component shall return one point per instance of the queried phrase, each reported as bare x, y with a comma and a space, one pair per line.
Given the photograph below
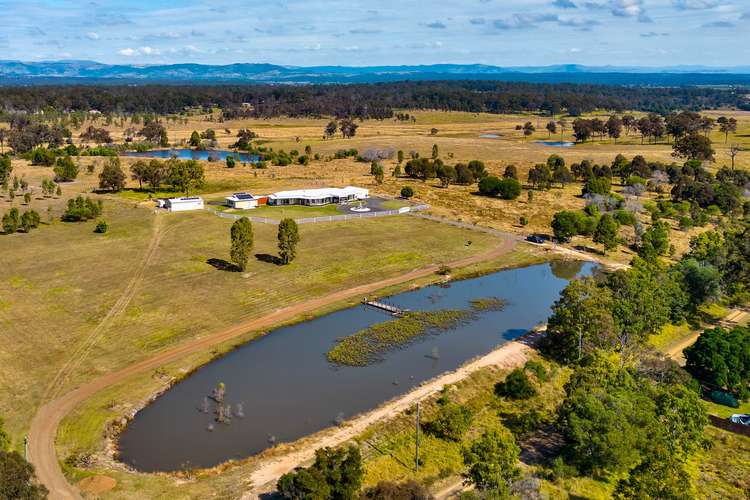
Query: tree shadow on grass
271, 259
223, 265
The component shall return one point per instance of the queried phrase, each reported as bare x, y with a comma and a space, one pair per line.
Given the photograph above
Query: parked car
535, 238
739, 418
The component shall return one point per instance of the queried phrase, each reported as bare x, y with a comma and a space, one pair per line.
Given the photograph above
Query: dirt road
48, 417
265, 476
735, 317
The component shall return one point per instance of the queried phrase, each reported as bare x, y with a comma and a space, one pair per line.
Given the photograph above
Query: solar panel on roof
243, 196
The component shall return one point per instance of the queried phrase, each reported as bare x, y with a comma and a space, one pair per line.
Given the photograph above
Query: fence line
325, 218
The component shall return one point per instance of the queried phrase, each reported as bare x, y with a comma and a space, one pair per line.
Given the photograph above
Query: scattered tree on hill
606, 232
551, 128
511, 172
96, 135
540, 176
693, 147
112, 177
331, 129
195, 139
528, 129
654, 241
155, 132
185, 175
65, 169
242, 242
348, 128
11, 221
288, 237
407, 192
30, 220
727, 126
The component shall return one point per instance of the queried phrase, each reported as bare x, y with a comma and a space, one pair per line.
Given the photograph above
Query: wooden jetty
383, 306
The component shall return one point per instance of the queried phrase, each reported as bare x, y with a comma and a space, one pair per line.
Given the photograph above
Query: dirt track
48, 417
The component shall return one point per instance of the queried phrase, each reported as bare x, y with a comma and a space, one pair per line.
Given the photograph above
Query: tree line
366, 101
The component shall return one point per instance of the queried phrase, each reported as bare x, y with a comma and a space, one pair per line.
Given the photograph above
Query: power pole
416, 458
26, 448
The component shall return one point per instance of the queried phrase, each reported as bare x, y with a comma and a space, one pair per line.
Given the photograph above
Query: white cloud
695, 4
140, 51
92, 35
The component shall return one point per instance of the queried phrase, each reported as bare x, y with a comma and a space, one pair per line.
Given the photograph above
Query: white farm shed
242, 201
184, 204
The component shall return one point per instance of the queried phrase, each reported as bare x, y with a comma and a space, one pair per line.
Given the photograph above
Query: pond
489, 136
557, 144
285, 388
193, 154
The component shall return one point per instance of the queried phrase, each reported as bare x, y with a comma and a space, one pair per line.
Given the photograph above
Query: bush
101, 226
625, 217
516, 386
538, 369
523, 220
407, 192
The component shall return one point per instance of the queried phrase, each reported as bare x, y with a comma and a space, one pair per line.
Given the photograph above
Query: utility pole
416, 458
26, 448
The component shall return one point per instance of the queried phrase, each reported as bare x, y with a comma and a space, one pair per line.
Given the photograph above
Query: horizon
533, 33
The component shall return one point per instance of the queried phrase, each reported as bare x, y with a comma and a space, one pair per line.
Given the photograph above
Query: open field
59, 282
458, 139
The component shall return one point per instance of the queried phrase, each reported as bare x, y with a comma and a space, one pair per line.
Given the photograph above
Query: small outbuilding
245, 201
183, 204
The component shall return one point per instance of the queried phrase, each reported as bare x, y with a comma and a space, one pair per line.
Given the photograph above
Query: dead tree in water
217, 394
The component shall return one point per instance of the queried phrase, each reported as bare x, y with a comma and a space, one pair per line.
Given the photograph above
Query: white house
183, 204
317, 197
245, 201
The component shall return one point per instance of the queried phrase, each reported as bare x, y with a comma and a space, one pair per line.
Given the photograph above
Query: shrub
538, 369
101, 226
407, 192
523, 220
43, 156
516, 386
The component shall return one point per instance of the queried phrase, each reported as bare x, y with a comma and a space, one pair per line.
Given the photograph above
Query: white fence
325, 218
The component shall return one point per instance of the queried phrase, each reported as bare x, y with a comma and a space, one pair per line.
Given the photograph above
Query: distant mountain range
18, 72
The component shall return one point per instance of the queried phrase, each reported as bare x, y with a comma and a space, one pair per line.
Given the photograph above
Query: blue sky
359, 33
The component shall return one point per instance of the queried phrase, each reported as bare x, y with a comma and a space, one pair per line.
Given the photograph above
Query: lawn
292, 212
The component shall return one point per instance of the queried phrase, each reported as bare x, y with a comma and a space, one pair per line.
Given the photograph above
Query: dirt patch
96, 485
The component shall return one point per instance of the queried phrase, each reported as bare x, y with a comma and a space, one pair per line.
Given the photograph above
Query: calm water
192, 154
557, 144
489, 136
288, 390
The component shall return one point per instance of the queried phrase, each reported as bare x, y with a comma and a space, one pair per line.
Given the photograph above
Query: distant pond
193, 154
281, 386
557, 144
